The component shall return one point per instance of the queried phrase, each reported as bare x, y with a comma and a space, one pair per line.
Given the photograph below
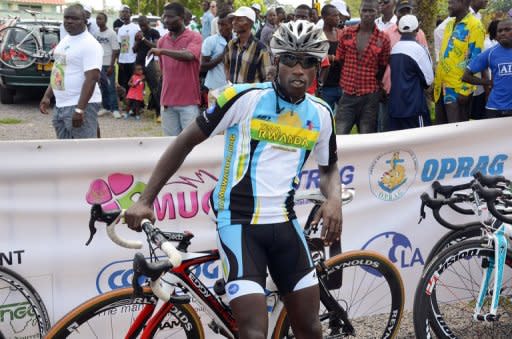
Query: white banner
46, 188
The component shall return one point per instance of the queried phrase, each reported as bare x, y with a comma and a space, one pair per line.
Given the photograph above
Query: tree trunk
426, 11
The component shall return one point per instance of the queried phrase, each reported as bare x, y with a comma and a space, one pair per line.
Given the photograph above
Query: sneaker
116, 114
102, 112
137, 117
159, 119
125, 116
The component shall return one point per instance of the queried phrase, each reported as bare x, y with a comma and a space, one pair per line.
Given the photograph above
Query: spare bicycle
367, 301
20, 47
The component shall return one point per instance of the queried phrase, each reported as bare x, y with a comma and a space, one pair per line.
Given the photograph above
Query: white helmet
299, 37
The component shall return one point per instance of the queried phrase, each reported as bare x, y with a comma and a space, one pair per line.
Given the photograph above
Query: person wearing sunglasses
388, 17
270, 129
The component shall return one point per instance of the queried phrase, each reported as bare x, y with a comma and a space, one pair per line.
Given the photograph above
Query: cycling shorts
248, 250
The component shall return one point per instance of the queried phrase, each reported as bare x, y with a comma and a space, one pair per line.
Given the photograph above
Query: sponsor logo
204, 291
454, 258
20, 319
184, 197
462, 167
233, 288
11, 257
505, 68
399, 249
391, 324
309, 179
392, 173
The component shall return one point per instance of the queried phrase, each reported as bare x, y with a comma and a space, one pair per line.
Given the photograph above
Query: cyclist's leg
303, 307
291, 267
244, 263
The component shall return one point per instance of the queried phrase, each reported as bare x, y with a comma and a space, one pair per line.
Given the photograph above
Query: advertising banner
47, 188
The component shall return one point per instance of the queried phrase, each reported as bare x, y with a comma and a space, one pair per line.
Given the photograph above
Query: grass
10, 121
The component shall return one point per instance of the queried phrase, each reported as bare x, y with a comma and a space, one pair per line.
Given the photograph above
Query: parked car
35, 76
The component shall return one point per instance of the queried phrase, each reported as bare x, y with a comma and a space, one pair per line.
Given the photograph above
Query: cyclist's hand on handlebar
330, 213
136, 213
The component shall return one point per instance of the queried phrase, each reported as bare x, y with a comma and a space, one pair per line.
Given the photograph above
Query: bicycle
21, 47
464, 286
452, 197
369, 274
22, 311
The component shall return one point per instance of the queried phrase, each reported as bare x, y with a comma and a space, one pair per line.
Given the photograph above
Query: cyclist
270, 130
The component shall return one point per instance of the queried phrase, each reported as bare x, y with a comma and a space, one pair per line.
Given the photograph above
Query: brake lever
95, 215
422, 212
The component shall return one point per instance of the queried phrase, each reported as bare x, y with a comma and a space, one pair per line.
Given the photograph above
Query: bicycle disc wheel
447, 292
111, 315
371, 292
18, 47
22, 312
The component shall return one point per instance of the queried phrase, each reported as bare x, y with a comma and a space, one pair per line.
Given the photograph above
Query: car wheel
7, 96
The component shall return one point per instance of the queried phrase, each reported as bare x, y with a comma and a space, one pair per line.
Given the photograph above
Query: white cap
341, 6
245, 11
408, 24
256, 6
123, 7
87, 8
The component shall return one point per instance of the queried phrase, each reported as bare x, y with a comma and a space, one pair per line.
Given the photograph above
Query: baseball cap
123, 7
408, 23
245, 11
404, 4
341, 6
256, 7
87, 8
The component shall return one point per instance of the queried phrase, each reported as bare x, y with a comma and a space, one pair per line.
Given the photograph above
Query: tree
426, 11
500, 5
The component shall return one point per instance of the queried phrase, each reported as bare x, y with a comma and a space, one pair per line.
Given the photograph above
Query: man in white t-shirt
126, 36
388, 17
74, 80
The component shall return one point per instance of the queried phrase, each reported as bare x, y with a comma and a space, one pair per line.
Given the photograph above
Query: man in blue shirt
499, 60
206, 20
411, 73
212, 52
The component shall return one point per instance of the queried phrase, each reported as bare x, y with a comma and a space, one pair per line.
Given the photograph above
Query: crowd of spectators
378, 75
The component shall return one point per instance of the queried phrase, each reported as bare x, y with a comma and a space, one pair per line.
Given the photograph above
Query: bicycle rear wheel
447, 292
22, 312
110, 315
18, 47
371, 292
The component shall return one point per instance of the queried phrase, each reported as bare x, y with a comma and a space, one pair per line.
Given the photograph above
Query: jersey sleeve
326, 149
228, 110
207, 47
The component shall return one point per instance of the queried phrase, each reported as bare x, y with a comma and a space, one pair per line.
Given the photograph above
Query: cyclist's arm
330, 213
169, 163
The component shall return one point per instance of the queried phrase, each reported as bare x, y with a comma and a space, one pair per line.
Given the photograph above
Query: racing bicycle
466, 289
367, 301
22, 311
21, 46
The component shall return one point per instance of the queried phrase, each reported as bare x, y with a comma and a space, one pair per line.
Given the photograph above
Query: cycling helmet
299, 37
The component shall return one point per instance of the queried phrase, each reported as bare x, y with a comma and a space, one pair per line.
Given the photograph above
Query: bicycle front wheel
113, 314
22, 312
371, 292
447, 293
18, 47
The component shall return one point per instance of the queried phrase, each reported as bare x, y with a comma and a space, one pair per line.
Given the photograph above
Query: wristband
79, 111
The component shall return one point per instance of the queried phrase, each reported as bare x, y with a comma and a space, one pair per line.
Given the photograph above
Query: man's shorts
248, 250
449, 95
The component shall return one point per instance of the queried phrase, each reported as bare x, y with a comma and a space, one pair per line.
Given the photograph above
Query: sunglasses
291, 60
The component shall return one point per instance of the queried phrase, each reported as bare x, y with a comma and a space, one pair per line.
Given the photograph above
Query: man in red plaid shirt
364, 52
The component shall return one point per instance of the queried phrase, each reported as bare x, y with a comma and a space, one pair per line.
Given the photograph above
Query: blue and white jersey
267, 142
499, 60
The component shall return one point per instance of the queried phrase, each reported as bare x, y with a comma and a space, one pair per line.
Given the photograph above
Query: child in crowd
135, 94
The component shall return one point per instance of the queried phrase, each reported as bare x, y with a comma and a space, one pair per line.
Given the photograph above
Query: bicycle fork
495, 265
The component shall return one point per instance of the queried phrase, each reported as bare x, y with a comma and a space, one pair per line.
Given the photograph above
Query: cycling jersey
267, 141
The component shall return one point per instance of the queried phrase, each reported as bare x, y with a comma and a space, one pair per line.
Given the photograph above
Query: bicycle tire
452, 238
19, 56
22, 305
366, 264
106, 316
445, 297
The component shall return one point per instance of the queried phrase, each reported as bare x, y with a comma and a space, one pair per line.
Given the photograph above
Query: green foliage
500, 5
10, 121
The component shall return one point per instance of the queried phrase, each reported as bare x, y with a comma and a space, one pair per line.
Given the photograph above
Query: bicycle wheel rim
378, 316
111, 314
22, 312
18, 47
447, 294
